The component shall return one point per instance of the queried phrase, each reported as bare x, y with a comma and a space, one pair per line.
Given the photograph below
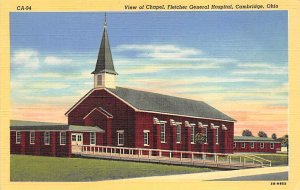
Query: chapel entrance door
77, 142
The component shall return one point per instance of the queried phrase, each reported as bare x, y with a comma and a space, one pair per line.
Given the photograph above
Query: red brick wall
123, 115
39, 148
63, 150
144, 121
133, 123
99, 138
98, 119
266, 149
14, 148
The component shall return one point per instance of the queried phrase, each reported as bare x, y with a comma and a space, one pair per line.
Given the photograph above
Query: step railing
253, 160
264, 161
190, 157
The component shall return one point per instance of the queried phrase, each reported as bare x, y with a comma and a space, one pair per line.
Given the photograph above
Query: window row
252, 145
193, 134
62, 137
120, 135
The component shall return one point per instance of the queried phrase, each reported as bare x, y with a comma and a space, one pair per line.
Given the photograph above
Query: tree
274, 136
247, 133
262, 134
200, 138
286, 141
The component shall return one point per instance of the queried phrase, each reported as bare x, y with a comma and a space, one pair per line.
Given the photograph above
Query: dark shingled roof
104, 61
33, 125
148, 101
247, 138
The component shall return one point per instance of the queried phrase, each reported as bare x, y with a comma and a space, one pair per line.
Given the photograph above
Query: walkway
280, 176
274, 173
188, 158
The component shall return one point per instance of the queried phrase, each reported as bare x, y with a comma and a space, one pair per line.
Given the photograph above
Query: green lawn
277, 159
38, 168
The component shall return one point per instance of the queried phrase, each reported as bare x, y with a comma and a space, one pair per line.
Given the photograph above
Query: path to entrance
281, 176
223, 175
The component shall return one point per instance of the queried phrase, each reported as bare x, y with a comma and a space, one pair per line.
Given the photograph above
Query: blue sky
223, 58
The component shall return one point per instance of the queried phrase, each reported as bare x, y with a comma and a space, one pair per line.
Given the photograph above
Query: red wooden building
51, 139
255, 144
134, 118
116, 116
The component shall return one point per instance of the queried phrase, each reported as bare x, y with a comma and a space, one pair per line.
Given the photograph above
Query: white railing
268, 162
191, 157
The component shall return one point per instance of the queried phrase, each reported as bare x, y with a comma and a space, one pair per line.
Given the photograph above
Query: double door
77, 142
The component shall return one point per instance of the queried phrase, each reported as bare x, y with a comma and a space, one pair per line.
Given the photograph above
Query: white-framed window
243, 144
32, 137
217, 135
234, 145
73, 137
18, 137
47, 138
252, 145
146, 137
92, 138
99, 79
79, 138
272, 145
262, 145
206, 134
178, 133
163, 133
120, 135
193, 134
63, 138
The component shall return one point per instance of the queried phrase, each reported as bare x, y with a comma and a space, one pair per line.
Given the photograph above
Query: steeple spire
105, 20
104, 73
104, 62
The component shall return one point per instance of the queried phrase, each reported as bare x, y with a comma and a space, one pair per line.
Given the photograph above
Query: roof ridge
162, 94
257, 137
201, 106
44, 122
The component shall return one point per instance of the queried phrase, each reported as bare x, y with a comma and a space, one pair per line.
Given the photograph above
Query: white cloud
261, 72
152, 58
203, 84
139, 69
260, 69
25, 58
166, 51
196, 80
24, 86
38, 75
51, 100
52, 60
255, 65
64, 77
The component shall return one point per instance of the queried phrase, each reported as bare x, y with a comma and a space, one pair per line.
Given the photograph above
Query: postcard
161, 94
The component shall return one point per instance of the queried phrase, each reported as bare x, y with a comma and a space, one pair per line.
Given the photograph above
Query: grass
39, 168
277, 159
